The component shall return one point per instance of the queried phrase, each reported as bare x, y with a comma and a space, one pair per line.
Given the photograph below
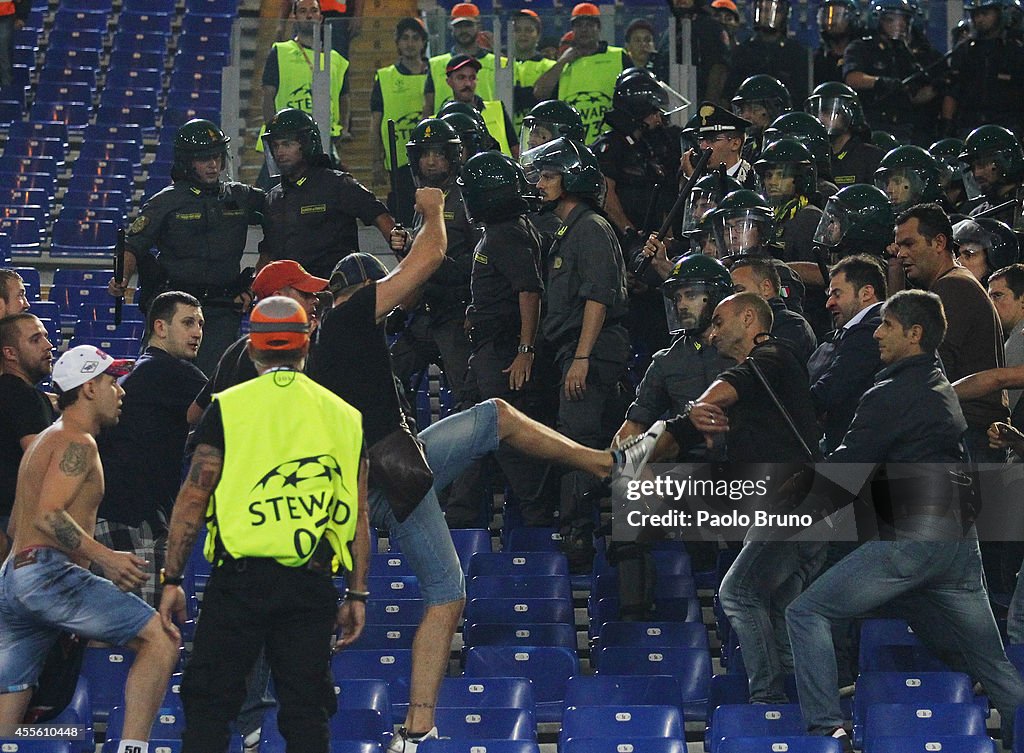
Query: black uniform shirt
856, 163
505, 263
876, 56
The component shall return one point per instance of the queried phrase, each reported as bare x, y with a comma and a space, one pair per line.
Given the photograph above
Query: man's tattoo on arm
74, 461
64, 530
206, 467
179, 549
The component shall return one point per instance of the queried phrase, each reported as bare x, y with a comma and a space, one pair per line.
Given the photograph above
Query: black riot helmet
696, 284
547, 121
198, 139
494, 188
298, 124
771, 15
434, 134
581, 173
638, 94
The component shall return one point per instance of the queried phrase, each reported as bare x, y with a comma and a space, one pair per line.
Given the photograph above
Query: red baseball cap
464, 12
286, 274
585, 9
461, 61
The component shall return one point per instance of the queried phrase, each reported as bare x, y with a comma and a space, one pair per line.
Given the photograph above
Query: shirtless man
45, 586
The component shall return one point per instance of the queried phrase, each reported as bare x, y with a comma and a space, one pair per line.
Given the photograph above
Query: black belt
939, 510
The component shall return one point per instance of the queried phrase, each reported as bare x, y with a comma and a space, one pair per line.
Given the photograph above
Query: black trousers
252, 604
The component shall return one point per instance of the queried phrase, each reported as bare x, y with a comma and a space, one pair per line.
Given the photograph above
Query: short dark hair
410, 24
921, 308
7, 276
639, 23
272, 358
1013, 276
164, 306
762, 268
64, 399
862, 270
751, 300
10, 328
932, 221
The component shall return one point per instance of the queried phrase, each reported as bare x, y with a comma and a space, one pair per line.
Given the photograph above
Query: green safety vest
282, 490
588, 85
526, 74
494, 118
403, 103
484, 78
295, 82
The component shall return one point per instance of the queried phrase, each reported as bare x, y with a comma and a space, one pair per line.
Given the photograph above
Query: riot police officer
857, 220
470, 127
810, 132
839, 24
986, 74
788, 179
771, 51
547, 121
199, 226
996, 161
909, 175
837, 106
437, 327
959, 191
760, 99
985, 245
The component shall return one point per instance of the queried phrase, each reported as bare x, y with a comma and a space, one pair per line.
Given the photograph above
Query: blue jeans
763, 580
451, 445
940, 589
1015, 615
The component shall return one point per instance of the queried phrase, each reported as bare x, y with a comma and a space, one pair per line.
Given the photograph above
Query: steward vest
403, 102
526, 74
295, 82
282, 490
494, 117
484, 78
588, 85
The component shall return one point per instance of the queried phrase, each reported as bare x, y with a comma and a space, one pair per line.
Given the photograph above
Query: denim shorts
45, 594
451, 446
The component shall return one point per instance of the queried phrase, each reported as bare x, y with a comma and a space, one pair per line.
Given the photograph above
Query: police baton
118, 274
393, 165
641, 262
997, 209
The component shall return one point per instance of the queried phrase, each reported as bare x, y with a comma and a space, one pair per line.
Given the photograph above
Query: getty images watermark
819, 502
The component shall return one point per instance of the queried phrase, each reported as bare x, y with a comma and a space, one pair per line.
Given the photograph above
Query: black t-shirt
350, 334
211, 428
142, 455
24, 411
506, 262
234, 367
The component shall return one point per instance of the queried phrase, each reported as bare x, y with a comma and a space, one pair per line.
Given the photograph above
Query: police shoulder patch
557, 263
138, 225
479, 258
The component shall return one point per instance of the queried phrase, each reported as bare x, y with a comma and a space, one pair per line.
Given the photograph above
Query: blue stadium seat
84, 214
616, 722
155, 42
106, 670
389, 564
30, 276
87, 238
76, 39
149, 6
519, 611
912, 719
473, 723
73, 115
46, 310
692, 667
98, 183
622, 690
935, 744
88, 6
200, 99
469, 541
204, 42
197, 23
107, 330
396, 587
178, 116
22, 146
10, 111
28, 181
134, 22
665, 586
5, 250
111, 168
13, 163
920, 688
519, 586
748, 720
212, 7
890, 645
57, 58
65, 19
104, 312
548, 667
96, 199
116, 347
807, 744
71, 75
168, 725
196, 80
34, 746
38, 130
486, 692
137, 58
364, 694
141, 115
39, 213
607, 610
534, 540
518, 563
528, 634
395, 611
386, 637
478, 746
200, 62
681, 634
116, 96
24, 232
618, 745
394, 667
128, 78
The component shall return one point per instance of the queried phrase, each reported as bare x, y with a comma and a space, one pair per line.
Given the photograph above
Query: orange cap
726, 5
278, 323
466, 11
527, 12
585, 9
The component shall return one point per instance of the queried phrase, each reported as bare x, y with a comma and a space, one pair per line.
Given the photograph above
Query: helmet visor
739, 232
701, 202
835, 113
760, 112
771, 14
835, 222
834, 19
903, 185
778, 182
532, 163
688, 307
536, 132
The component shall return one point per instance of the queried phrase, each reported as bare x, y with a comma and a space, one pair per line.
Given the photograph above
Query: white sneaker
402, 743
251, 743
631, 457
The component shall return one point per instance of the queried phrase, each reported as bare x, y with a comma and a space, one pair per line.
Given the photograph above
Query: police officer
788, 179
837, 106
771, 52
505, 313
985, 245
584, 75
311, 214
810, 132
839, 24
996, 161
986, 74
716, 128
586, 304
469, 124
876, 66
709, 48
199, 226
909, 175
959, 191
760, 99
271, 585
465, 26
397, 95
437, 325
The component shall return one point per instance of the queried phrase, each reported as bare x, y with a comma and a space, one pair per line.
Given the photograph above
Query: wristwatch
167, 580
526, 349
